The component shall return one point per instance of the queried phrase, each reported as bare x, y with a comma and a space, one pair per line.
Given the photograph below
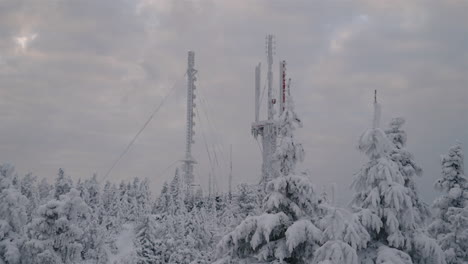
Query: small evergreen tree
407, 166
44, 189
162, 203
13, 217
28, 188
384, 205
291, 228
450, 226
147, 242
63, 184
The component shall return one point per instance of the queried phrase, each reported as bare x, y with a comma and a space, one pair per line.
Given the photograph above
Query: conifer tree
164, 200
28, 188
56, 236
450, 226
147, 242
44, 189
291, 228
13, 217
63, 184
384, 205
407, 166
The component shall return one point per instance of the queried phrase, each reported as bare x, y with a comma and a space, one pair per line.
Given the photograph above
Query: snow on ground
124, 244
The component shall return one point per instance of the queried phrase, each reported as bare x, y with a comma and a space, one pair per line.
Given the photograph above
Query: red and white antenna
282, 92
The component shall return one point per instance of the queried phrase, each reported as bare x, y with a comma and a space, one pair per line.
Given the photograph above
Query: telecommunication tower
189, 161
267, 129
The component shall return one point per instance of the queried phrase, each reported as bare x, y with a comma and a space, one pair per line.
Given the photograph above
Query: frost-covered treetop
395, 133
374, 142
452, 170
289, 151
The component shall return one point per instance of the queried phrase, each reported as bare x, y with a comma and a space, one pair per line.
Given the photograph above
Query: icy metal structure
189, 161
267, 129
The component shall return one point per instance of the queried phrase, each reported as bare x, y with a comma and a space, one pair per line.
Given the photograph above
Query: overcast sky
78, 78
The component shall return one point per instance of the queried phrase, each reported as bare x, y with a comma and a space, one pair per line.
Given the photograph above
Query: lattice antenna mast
271, 100
189, 161
266, 128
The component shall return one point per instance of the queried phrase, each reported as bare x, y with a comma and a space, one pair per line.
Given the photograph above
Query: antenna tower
189, 161
267, 129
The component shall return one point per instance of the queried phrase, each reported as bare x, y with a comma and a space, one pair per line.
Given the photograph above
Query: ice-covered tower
266, 128
189, 161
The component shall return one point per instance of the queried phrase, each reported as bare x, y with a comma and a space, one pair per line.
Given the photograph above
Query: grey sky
79, 77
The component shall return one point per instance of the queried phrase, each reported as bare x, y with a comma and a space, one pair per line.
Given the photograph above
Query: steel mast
266, 128
189, 161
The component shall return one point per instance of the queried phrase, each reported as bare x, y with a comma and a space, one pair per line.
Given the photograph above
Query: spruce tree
407, 166
450, 226
291, 228
13, 217
63, 184
384, 205
146, 242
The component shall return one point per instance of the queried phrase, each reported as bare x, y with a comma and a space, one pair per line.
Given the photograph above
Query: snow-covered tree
246, 202
384, 205
63, 184
146, 242
44, 189
288, 151
292, 228
110, 209
450, 226
94, 243
93, 190
162, 203
13, 217
143, 198
176, 190
28, 188
55, 235
407, 166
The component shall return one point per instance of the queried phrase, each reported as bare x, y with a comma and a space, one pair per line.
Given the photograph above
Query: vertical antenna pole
270, 76
189, 161
230, 176
257, 91
376, 119
282, 91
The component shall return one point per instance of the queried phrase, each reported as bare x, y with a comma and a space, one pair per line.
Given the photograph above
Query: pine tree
56, 235
407, 166
384, 205
450, 226
246, 201
93, 198
162, 203
289, 151
177, 204
292, 228
44, 189
143, 199
148, 245
13, 217
63, 184
29, 189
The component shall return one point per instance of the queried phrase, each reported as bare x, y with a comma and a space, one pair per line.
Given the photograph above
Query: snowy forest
285, 220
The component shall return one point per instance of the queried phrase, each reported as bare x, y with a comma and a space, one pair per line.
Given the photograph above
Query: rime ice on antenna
267, 129
189, 161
